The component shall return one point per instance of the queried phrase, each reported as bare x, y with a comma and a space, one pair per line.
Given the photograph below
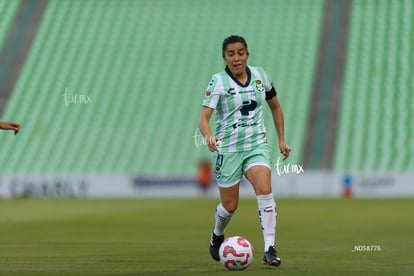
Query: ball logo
242, 260
241, 241
230, 250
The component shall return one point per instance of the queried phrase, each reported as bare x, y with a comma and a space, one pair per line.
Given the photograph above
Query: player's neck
242, 77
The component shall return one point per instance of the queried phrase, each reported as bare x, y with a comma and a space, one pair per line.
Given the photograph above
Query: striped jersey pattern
238, 108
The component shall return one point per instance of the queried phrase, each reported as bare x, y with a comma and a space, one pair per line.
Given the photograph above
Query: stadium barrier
310, 184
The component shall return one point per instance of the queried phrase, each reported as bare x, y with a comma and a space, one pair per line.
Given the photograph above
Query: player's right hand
213, 143
10, 126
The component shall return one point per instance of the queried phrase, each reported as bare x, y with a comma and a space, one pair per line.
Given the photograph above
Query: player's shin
267, 215
222, 218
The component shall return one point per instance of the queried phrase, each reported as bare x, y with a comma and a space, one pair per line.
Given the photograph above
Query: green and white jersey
239, 108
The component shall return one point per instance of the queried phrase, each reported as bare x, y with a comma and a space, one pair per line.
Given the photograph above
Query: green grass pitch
171, 236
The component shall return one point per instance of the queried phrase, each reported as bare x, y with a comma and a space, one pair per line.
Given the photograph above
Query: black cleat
270, 258
215, 243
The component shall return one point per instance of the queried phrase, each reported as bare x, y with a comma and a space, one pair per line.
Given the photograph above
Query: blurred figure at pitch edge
205, 176
239, 147
10, 126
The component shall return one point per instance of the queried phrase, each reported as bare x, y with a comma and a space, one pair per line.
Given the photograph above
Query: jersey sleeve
268, 84
211, 96
267, 81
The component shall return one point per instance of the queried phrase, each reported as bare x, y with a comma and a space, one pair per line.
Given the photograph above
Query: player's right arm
10, 126
204, 126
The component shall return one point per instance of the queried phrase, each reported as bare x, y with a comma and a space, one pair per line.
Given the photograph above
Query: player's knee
230, 206
264, 190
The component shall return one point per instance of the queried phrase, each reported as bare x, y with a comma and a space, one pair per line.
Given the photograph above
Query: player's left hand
284, 149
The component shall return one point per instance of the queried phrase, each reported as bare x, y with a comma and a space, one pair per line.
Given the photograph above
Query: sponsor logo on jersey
244, 124
231, 91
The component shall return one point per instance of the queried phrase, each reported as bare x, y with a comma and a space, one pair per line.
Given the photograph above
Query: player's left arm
278, 119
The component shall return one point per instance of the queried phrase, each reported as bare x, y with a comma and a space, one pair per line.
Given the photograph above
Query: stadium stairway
326, 95
21, 20
8, 10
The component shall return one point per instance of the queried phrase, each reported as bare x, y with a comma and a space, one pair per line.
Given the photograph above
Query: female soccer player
239, 147
10, 126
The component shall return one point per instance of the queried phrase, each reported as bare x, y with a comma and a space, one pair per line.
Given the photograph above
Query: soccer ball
236, 253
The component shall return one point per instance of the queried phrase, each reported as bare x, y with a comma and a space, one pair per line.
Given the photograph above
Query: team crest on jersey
208, 93
259, 86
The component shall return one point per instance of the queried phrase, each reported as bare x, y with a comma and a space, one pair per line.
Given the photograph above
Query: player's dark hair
233, 39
